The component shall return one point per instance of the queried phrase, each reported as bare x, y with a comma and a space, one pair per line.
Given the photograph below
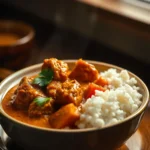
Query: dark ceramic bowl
37, 138
15, 55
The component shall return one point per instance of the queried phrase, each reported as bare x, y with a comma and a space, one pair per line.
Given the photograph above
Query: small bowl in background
16, 43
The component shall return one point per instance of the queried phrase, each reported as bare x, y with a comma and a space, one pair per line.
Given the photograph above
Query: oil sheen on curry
54, 97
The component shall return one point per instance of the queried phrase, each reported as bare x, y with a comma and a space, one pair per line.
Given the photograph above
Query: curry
8, 38
54, 97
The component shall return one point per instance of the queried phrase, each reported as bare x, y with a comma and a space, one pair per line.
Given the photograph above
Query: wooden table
126, 8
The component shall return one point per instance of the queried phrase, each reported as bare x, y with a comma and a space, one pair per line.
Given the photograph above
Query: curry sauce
20, 114
8, 38
53, 98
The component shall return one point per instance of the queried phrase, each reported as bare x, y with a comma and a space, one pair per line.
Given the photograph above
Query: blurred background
112, 31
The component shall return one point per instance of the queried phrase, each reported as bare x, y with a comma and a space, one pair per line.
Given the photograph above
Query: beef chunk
52, 88
84, 72
66, 116
37, 111
70, 92
25, 94
59, 68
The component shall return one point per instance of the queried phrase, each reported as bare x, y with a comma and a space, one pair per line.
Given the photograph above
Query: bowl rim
37, 66
22, 40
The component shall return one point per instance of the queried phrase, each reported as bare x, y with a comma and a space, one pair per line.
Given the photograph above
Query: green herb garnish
40, 101
44, 77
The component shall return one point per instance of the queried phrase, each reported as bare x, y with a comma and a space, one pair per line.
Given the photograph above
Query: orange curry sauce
20, 114
66, 91
8, 38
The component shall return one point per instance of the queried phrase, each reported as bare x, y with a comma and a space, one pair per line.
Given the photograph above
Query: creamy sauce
8, 38
20, 114
18, 109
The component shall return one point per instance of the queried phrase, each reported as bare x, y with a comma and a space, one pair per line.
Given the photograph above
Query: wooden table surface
124, 7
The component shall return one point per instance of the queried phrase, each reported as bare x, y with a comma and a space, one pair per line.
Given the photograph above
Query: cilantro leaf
40, 101
44, 77
48, 73
41, 81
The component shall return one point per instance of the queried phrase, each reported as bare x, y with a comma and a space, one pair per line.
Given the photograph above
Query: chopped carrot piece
84, 72
101, 81
66, 116
91, 90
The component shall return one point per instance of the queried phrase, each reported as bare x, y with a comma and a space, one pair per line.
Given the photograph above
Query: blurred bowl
16, 43
107, 138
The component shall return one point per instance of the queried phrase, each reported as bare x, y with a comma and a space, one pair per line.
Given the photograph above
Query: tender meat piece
52, 88
37, 111
70, 92
25, 94
59, 67
83, 71
66, 116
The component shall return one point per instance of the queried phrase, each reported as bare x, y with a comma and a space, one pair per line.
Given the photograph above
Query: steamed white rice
109, 107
